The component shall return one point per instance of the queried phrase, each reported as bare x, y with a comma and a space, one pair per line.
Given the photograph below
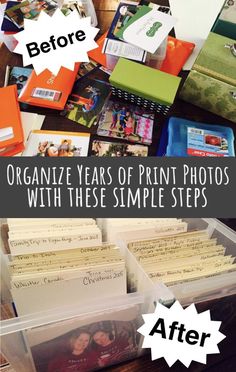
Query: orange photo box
178, 51
11, 131
48, 90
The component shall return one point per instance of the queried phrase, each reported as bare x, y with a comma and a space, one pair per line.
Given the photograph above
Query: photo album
11, 131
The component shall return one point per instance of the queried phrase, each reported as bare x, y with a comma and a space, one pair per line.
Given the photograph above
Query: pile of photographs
91, 105
16, 12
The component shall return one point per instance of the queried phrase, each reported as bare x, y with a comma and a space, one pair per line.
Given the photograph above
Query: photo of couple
88, 348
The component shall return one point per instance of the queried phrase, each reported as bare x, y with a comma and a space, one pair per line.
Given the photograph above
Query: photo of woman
109, 349
77, 358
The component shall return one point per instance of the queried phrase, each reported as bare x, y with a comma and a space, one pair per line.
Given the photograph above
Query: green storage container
212, 82
142, 82
226, 23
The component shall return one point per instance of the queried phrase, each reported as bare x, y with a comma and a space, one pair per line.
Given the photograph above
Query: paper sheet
31, 122
195, 20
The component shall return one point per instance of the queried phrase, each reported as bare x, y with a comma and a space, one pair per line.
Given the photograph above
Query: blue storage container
189, 138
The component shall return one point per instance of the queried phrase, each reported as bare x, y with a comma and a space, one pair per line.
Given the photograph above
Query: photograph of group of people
126, 121
65, 148
46, 143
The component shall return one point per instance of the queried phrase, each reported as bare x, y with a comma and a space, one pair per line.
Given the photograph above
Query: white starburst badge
53, 42
180, 334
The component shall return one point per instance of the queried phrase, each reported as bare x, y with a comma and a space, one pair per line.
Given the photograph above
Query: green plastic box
145, 82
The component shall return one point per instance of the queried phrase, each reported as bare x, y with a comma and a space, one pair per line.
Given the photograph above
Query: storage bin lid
217, 60
145, 82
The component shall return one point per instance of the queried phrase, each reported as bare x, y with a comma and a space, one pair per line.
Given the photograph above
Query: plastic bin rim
65, 313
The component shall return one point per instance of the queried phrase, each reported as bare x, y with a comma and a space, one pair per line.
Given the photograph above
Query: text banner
121, 187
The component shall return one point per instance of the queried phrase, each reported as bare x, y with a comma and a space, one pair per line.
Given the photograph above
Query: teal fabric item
225, 28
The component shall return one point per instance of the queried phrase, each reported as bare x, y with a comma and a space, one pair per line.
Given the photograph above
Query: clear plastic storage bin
198, 290
42, 341
153, 60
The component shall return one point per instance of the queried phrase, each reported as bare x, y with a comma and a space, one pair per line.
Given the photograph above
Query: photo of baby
126, 121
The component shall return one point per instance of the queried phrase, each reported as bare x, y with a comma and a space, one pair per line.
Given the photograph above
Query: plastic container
111, 61
188, 138
31, 343
197, 290
22, 337
155, 60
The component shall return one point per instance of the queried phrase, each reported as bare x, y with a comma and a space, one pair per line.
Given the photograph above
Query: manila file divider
194, 291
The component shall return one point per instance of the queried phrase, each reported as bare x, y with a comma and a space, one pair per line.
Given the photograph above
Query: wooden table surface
223, 309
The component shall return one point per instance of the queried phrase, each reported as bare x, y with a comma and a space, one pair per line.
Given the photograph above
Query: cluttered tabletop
184, 103
148, 125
